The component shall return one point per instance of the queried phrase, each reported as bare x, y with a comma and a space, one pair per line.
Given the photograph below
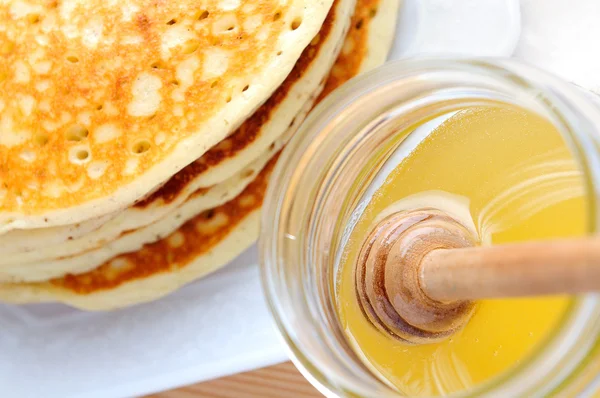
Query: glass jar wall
326, 178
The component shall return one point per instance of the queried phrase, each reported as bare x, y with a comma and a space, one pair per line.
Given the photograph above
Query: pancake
102, 101
367, 43
24, 240
200, 246
221, 162
382, 16
33, 269
202, 199
132, 240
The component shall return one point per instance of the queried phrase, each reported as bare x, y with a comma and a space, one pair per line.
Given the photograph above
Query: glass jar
326, 172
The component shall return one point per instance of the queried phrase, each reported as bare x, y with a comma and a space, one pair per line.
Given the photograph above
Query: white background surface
220, 325
562, 37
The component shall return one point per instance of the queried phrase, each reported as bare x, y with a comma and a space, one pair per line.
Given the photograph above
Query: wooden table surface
273, 382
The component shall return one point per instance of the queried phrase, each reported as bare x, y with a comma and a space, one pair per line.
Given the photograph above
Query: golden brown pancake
267, 124
161, 267
93, 255
348, 64
197, 237
352, 56
101, 101
193, 240
250, 129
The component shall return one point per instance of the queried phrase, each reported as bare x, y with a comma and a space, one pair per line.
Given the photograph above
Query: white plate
219, 325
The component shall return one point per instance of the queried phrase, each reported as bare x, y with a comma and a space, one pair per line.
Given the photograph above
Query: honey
510, 173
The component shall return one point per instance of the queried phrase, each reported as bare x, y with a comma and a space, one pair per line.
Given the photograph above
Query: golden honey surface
513, 176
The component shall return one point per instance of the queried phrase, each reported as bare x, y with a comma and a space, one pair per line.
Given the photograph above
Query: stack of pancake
137, 136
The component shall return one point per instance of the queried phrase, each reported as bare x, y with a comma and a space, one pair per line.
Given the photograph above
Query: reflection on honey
510, 172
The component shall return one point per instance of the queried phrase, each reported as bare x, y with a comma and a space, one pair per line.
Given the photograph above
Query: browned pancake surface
249, 130
94, 93
206, 230
195, 237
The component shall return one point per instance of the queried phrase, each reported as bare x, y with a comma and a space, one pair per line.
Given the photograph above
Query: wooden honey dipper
419, 271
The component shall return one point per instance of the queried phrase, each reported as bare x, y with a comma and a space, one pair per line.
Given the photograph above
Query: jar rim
307, 169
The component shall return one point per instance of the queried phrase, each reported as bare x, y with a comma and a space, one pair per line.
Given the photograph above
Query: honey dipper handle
512, 270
